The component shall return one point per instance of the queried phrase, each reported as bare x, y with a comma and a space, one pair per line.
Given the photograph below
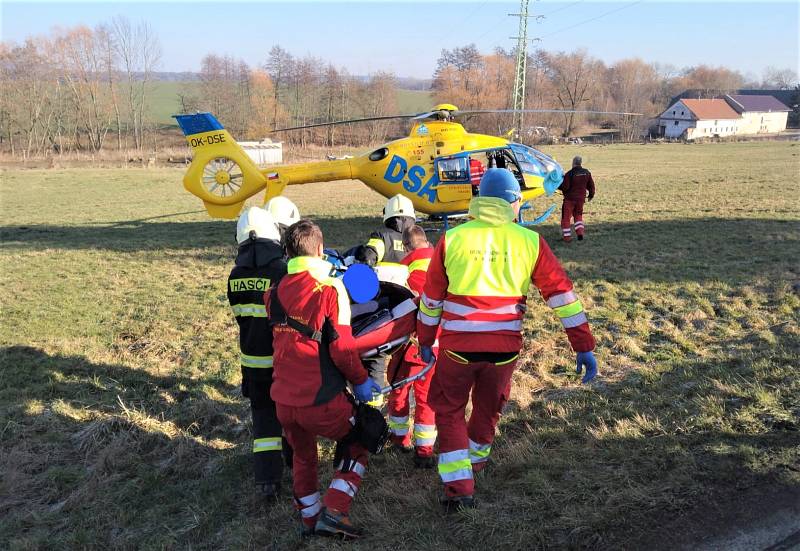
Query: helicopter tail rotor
221, 173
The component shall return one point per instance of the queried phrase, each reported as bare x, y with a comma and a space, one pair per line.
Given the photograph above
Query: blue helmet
501, 183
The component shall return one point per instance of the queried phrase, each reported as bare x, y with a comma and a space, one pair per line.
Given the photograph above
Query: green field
164, 101
122, 425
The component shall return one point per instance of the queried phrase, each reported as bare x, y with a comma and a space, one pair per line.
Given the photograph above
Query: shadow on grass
144, 455
146, 234
728, 250
663, 459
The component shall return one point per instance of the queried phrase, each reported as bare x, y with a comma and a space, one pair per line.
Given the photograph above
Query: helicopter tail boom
221, 173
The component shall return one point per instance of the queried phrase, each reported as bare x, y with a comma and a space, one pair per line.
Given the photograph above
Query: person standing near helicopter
577, 182
474, 299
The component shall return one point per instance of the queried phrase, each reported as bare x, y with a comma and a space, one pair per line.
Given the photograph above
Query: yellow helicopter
435, 166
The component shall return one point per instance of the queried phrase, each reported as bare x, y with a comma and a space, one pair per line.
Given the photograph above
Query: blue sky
407, 37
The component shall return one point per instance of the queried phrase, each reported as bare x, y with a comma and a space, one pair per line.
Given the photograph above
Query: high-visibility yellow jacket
478, 282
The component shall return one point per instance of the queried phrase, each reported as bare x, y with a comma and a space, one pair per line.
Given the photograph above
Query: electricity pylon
522, 65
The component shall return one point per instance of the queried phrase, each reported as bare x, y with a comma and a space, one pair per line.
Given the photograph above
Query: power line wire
563, 8
593, 18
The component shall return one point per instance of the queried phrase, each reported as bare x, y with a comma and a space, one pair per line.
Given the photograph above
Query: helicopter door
454, 183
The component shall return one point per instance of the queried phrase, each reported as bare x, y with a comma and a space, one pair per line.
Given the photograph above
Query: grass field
122, 426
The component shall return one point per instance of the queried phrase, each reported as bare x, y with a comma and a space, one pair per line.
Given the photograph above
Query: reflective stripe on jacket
258, 266
478, 282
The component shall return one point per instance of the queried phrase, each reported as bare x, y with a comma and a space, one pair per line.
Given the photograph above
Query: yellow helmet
256, 223
283, 211
399, 205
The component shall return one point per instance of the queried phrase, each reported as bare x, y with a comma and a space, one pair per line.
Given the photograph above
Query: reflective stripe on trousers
478, 453
399, 425
455, 465
309, 505
424, 435
343, 486
256, 362
267, 444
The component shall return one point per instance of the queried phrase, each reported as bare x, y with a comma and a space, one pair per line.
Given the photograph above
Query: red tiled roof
704, 109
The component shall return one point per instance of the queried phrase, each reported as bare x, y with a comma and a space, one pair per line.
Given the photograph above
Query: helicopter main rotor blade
334, 123
490, 111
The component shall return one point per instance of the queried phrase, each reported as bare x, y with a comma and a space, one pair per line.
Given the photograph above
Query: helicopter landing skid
538, 220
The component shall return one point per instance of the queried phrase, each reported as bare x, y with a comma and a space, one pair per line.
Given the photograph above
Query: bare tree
781, 79
139, 52
575, 77
633, 85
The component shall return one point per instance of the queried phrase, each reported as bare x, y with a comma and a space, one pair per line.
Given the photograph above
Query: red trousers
302, 425
403, 364
571, 208
465, 446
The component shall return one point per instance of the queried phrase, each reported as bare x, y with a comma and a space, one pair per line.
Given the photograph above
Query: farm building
736, 114
698, 118
265, 152
760, 114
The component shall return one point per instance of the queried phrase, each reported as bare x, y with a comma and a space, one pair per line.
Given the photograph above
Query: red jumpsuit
476, 172
308, 383
475, 296
406, 362
575, 186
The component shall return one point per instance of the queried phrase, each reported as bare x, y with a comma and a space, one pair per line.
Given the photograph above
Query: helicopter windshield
532, 161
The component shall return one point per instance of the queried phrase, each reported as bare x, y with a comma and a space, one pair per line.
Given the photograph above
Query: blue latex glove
426, 353
365, 390
586, 359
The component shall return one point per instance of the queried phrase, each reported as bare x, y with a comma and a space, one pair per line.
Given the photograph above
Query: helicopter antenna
522, 64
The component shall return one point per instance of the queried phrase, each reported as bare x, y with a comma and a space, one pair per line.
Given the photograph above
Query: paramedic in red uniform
476, 172
309, 377
475, 294
577, 182
406, 362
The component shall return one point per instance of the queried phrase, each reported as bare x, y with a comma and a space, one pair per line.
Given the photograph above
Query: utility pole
522, 65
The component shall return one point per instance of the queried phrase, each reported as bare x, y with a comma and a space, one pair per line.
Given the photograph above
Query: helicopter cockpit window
504, 158
453, 170
527, 162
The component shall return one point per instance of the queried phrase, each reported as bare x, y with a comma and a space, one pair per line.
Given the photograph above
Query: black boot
459, 503
424, 461
336, 523
580, 237
268, 492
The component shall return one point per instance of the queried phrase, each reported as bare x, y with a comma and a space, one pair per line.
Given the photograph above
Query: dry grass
122, 425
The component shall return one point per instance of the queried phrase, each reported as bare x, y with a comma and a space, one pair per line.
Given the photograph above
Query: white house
760, 114
699, 118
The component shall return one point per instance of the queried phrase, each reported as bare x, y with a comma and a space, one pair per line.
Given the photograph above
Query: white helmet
258, 222
399, 205
283, 211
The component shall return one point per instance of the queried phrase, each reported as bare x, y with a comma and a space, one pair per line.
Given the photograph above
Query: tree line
578, 81
91, 89
78, 89
288, 91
